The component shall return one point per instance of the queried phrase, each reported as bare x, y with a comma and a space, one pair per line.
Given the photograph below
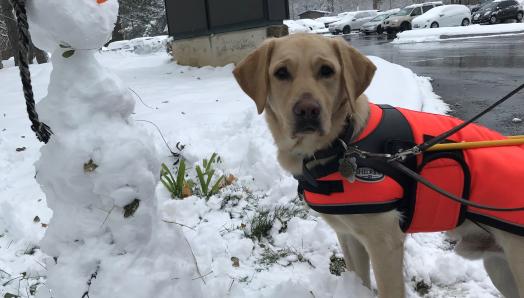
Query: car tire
434, 25
492, 19
519, 17
405, 26
380, 30
346, 30
465, 22
367, 33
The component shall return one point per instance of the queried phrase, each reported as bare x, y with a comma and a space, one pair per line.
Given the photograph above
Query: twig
93, 276
176, 223
175, 155
202, 277
140, 98
43, 266
107, 217
194, 258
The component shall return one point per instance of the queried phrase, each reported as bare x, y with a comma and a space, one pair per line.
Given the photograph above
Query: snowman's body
99, 171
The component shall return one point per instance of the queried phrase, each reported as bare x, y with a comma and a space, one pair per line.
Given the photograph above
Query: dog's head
304, 81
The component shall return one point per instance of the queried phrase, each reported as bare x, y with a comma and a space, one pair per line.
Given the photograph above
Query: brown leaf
90, 166
186, 190
130, 209
230, 179
236, 261
44, 225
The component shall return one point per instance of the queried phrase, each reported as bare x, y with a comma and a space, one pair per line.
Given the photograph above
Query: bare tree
11, 39
4, 41
6, 10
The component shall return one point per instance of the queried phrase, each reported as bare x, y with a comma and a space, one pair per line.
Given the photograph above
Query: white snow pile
254, 238
446, 33
141, 45
306, 26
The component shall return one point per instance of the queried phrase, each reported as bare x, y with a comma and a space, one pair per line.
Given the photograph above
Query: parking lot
469, 74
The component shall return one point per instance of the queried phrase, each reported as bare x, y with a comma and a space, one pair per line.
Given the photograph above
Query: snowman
99, 171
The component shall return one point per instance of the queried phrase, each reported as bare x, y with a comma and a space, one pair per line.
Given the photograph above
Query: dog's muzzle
307, 115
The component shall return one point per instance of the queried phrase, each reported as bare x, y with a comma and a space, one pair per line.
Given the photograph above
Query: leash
42, 131
419, 149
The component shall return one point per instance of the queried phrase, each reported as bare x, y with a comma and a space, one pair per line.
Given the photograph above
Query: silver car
375, 24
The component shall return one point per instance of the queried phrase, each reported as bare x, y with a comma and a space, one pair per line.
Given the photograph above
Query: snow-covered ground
205, 110
446, 33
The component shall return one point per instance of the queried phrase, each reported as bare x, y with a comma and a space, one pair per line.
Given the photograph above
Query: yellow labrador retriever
308, 86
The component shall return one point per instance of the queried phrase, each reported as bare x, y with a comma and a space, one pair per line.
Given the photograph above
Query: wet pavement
468, 74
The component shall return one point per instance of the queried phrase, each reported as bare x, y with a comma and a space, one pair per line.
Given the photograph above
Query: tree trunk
118, 32
41, 56
6, 9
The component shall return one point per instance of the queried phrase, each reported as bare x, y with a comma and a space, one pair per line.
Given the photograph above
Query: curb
448, 36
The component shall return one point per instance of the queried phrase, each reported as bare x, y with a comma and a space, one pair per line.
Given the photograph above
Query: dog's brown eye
282, 74
326, 71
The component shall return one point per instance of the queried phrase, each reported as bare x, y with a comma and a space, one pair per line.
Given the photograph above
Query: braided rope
42, 131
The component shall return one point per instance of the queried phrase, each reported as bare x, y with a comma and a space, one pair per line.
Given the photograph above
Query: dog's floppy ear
252, 74
357, 69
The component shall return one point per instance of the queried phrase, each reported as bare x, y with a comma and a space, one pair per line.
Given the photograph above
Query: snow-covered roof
314, 10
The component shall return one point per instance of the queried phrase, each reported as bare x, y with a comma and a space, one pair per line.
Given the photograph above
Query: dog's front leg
387, 261
384, 243
356, 257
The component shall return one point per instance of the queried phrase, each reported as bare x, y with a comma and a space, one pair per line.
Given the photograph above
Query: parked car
498, 11
443, 16
474, 8
352, 21
375, 24
328, 20
401, 21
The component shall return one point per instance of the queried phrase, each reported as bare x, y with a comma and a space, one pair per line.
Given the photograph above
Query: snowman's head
80, 24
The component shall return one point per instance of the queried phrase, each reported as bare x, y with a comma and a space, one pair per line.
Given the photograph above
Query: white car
304, 25
328, 20
443, 16
352, 21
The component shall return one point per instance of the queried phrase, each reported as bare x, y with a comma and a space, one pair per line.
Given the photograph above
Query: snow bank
444, 33
204, 109
141, 46
416, 92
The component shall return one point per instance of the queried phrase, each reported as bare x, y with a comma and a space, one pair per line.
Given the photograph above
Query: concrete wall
224, 48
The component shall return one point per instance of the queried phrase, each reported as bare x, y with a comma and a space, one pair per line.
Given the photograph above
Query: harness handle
42, 131
418, 149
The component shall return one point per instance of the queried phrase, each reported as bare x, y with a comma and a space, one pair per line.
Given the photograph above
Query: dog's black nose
307, 114
307, 109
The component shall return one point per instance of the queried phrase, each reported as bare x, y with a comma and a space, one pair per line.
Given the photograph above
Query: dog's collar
335, 149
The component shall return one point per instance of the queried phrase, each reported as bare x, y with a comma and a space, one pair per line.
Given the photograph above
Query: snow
306, 25
204, 109
141, 45
444, 33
